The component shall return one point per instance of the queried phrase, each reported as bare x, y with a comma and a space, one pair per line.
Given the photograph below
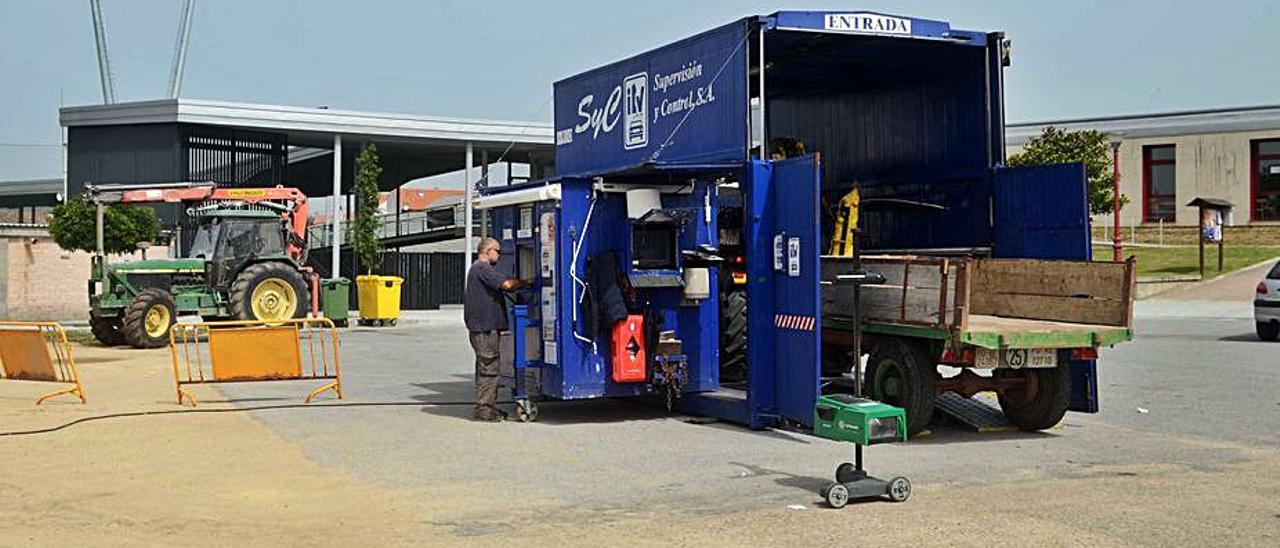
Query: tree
364, 230
73, 226
1089, 147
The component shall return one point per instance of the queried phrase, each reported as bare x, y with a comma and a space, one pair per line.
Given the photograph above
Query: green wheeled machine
861, 421
246, 262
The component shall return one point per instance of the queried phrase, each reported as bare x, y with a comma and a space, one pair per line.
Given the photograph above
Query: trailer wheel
271, 291
148, 319
901, 373
1040, 401
733, 336
1268, 331
107, 331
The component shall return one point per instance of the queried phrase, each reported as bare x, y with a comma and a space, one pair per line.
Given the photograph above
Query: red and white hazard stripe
797, 323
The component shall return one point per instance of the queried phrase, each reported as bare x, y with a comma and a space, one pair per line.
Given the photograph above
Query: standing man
485, 315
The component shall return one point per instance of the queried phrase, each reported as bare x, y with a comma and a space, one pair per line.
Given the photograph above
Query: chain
672, 378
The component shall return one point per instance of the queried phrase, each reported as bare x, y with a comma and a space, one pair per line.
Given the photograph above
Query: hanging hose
573, 272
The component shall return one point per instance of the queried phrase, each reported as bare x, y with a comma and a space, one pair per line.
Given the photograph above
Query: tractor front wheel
107, 331
901, 373
269, 292
147, 320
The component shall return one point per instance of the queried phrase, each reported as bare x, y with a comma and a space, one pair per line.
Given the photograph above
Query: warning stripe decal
797, 323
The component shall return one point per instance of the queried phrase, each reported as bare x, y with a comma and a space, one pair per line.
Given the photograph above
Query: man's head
489, 250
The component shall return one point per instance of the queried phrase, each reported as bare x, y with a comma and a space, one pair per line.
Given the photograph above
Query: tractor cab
227, 240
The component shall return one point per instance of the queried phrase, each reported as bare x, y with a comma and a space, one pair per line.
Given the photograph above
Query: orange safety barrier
39, 351
251, 351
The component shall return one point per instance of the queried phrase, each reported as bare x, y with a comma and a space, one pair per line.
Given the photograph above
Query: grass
1184, 260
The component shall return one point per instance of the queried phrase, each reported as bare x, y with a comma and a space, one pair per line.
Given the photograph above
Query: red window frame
1147, 162
1256, 157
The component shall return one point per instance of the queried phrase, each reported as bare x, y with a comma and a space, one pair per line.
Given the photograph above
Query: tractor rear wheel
901, 373
147, 320
733, 336
269, 292
107, 331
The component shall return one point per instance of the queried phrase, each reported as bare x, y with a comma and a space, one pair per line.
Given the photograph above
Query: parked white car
1266, 305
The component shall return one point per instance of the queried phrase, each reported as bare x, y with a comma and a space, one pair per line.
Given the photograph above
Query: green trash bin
335, 300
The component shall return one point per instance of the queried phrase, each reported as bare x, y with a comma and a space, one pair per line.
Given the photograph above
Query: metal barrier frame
55, 338
190, 334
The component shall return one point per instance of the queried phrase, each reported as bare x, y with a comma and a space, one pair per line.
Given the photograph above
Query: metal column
466, 208
335, 222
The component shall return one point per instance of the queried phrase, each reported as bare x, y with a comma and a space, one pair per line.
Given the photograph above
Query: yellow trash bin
379, 299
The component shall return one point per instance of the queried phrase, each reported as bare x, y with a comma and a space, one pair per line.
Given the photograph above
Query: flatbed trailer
1023, 319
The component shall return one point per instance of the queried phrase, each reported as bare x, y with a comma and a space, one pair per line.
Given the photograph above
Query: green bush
73, 226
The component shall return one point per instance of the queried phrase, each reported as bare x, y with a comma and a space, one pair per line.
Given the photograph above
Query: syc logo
635, 101
628, 102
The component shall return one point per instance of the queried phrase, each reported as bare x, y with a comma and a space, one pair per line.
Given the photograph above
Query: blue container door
797, 325
1042, 212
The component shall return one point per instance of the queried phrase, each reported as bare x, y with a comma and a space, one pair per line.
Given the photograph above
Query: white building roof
1165, 124
309, 120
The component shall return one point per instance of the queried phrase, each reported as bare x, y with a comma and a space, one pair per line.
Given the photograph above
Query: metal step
979, 413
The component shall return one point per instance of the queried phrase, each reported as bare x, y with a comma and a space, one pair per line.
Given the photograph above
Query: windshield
206, 238
1275, 272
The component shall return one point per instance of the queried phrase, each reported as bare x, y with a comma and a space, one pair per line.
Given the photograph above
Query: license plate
1016, 358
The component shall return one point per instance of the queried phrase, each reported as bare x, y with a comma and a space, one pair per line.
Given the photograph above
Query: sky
498, 59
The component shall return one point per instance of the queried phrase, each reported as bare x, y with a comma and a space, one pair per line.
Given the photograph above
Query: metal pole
467, 212
1116, 247
180, 49
335, 222
99, 237
104, 61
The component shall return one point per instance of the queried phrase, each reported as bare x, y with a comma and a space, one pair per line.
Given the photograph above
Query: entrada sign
870, 23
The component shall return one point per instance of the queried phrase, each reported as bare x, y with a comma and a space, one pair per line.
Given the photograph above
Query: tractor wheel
147, 320
107, 331
269, 292
901, 373
733, 336
1038, 403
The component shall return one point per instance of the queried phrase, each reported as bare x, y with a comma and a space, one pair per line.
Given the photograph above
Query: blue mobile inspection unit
650, 147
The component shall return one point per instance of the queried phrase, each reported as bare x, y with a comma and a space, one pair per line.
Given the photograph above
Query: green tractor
246, 262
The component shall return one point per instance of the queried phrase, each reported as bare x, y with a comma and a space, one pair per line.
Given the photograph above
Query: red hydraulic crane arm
291, 201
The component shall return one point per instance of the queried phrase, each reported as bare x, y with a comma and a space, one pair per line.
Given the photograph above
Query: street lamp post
1116, 247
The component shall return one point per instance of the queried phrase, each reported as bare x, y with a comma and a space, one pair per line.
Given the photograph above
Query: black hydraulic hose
135, 414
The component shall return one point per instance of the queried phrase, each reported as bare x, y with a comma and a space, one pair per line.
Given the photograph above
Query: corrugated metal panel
1042, 212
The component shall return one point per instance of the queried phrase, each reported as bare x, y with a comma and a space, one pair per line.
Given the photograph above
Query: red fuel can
628, 350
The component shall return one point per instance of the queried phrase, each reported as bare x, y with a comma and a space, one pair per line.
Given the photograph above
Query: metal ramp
979, 413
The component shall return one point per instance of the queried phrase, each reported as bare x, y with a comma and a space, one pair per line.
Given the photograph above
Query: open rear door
1042, 212
797, 322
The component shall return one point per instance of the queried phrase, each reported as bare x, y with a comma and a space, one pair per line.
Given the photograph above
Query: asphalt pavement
1194, 389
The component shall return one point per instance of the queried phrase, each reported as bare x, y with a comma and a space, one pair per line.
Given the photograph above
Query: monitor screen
653, 246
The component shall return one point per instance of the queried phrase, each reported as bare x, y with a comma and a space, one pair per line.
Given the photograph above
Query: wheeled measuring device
861, 421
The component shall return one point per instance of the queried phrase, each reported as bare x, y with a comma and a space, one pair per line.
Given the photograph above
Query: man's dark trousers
485, 344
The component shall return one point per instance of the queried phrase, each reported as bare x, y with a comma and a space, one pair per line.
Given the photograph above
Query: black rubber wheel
836, 495
148, 319
1268, 331
280, 291
901, 373
1041, 401
899, 489
107, 330
733, 336
846, 473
